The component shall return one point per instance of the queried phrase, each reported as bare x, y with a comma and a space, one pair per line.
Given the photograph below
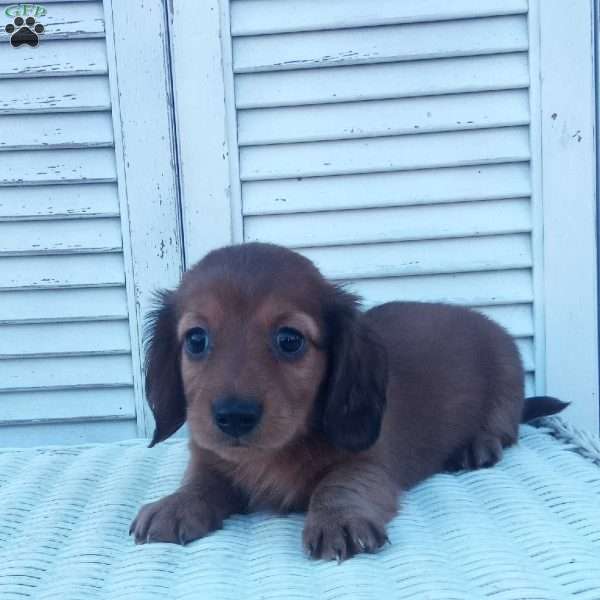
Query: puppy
298, 401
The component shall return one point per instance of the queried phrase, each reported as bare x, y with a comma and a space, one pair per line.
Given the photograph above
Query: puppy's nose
236, 416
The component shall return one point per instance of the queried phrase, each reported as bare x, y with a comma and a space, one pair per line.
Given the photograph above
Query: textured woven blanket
527, 529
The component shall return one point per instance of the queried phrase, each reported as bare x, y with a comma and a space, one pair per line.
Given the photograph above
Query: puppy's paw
338, 537
178, 518
484, 450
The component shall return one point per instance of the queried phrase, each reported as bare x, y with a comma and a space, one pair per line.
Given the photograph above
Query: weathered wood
50, 131
494, 35
380, 81
59, 57
67, 1
256, 17
64, 308
530, 385
60, 237
49, 272
486, 146
56, 305
473, 289
383, 118
65, 433
465, 219
517, 319
66, 372
66, 405
210, 195
65, 20
423, 257
75, 201
525, 346
401, 188
145, 150
57, 166
64, 339
54, 94
565, 201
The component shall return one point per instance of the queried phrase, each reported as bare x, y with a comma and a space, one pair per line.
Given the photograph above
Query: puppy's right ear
164, 387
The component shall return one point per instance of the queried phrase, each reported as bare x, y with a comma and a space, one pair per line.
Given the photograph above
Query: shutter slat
381, 81
423, 257
75, 201
39, 306
471, 289
60, 237
67, 20
68, 130
52, 58
98, 431
525, 346
518, 319
509, 144
383, 118
66, 405
48, 339
48, 272
57, 166
68, 372
392, 224
255, 17
54, 94
529, 385
380, 44
432, 186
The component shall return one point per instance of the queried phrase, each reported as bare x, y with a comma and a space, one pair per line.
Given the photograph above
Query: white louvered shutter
388, 142
66, 371
418, 149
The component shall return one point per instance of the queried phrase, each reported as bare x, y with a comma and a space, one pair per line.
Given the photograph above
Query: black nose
235, 416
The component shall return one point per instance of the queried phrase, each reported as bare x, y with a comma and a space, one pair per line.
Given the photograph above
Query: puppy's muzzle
236, 416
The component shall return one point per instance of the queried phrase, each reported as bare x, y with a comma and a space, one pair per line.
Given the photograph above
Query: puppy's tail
541, 406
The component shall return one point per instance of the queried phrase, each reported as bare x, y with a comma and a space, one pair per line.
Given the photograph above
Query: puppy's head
256, 349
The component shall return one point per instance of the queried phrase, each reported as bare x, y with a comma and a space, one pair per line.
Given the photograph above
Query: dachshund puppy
298, 401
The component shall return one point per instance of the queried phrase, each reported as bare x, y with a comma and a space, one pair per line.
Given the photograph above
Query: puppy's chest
283, 482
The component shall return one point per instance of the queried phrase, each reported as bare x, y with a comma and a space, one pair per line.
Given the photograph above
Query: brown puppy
296, 400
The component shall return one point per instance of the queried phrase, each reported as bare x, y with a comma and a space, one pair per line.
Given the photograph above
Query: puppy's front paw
331, 536
178, 518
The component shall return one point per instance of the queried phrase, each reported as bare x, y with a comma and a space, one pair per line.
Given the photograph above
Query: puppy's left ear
355, 388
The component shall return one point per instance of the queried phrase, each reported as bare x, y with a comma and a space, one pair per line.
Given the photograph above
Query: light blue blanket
528, 528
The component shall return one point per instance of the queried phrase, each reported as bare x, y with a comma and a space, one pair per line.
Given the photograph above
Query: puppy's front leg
349, 510
206, 497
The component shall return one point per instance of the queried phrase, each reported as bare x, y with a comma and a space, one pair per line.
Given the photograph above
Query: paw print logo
24, 31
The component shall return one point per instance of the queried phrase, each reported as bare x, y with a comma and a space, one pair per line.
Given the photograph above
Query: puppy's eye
196, 342
290, 342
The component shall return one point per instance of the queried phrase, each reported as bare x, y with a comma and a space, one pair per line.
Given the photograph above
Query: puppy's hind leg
503, 407
484, 450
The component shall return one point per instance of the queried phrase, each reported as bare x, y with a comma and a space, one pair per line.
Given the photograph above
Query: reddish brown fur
380, 401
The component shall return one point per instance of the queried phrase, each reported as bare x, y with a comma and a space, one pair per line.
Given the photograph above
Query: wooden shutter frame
206, 120
140, 84
564, 204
